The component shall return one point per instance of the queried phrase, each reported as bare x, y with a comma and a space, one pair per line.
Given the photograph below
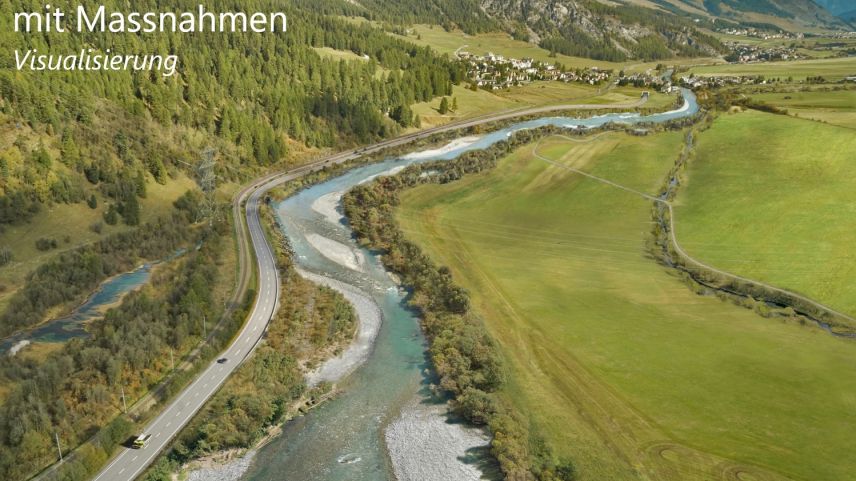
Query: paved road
129, 463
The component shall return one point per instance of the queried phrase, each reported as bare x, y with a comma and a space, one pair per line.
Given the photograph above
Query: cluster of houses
694, 82
654, 82
494, 72
741, 53
763, 34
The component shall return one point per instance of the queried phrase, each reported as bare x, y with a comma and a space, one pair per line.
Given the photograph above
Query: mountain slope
613, 32
787, 14
836, 7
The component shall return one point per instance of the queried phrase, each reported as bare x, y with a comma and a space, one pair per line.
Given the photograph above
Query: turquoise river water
344, 439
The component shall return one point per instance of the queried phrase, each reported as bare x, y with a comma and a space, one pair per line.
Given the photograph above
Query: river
385, 424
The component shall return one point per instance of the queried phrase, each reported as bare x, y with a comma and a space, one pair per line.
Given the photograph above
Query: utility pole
58, 447
206, 178
204, 327
171, 360
124, 406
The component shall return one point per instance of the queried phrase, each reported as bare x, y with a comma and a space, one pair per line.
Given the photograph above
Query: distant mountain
837, 7
787, 14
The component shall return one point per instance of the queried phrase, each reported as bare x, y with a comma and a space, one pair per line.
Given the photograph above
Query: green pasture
614, 360
773, 198
836, 107
832, 69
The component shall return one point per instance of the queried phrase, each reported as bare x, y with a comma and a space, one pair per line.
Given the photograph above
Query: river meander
384, 424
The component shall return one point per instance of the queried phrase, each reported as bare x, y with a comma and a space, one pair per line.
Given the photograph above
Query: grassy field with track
836, 107
799, 233
616, 361
832, 69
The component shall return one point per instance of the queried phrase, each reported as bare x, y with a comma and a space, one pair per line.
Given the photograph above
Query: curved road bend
129, 463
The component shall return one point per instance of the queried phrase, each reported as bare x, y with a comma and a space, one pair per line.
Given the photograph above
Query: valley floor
619, 365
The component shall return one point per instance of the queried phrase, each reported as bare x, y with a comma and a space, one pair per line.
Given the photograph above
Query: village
495, 72
742, 53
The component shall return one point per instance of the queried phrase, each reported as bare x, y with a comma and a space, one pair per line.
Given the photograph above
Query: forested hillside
71, 131
101, 141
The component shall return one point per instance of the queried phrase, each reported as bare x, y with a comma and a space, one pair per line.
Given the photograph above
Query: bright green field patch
832, 107
338, 54
832, 69
616, 361
786, 214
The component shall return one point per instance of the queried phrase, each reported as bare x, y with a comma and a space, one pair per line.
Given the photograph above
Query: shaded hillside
592, 29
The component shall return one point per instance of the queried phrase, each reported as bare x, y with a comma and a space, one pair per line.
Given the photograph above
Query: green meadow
616, 362
832, 69
837, 107
786, 214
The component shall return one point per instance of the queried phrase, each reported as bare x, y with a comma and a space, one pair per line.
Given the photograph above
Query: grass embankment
480, 102
619, 365
832, 69
799, 232
836, 107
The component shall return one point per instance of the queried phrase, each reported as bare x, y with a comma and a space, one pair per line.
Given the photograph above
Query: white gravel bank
18, 346
327, 205
389, 172
231, 470
424, 446
451, 146
337, 252
369, 319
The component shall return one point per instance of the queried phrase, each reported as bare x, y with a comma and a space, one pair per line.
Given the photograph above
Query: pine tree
454, 104
111, 216
444, 106
131, 211
92, 202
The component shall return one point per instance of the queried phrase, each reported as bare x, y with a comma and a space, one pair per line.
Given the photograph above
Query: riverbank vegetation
312, 323
464, 355
612, 359
68, 278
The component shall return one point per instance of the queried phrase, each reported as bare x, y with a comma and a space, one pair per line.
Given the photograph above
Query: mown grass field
837, 107
786, 214
832, 69
615, 360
